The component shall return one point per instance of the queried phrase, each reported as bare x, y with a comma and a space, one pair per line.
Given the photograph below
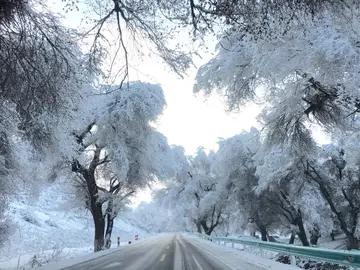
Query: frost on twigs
116, 32
301, 78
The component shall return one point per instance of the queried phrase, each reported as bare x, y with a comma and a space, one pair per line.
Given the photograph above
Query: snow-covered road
172, 251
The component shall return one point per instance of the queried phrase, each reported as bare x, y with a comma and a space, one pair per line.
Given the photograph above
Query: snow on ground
231, 256
50, 229
325, 242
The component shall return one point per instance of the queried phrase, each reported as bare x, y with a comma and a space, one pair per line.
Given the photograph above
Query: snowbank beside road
50, 230
231, 256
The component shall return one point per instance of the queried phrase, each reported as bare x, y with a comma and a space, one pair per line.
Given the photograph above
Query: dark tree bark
112, 213
332, 235
205, 226
95, 207
96, 211
263, 232
292, 238
291, 214
109, 227
302, 235
215, 220
99, 223
301, 232
352, 242
315, 235
198, 227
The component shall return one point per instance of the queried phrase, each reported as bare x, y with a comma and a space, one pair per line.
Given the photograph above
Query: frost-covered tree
41, 66
154, 218
281, 176
335, 173
265, 19
237, 173
301, 77
21, 171
114, 151
193, 192
8, 128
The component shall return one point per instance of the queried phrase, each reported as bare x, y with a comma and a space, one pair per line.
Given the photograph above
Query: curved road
165, 252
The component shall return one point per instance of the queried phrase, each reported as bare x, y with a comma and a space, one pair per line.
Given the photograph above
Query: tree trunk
263, 232
292, 238
314, 239
92, 202
109, 227
110, 216
302, 234
303, 238
352, 242
315, 235
204, 226
332, 235
99, 223
208, 230
198, 227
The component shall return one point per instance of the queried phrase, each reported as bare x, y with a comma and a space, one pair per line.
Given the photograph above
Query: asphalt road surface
165, 252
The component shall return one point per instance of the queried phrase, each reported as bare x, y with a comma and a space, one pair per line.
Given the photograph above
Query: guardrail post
292, 260
232, 245
262, 254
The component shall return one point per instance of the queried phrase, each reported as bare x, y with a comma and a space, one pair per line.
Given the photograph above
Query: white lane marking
162, 257
197, 263
113, 264
178, 257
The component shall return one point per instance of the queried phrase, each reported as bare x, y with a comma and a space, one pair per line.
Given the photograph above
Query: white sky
188, 120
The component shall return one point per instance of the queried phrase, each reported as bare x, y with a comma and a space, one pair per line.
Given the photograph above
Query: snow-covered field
50, 229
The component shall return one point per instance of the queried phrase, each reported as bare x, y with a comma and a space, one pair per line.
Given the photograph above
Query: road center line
162, 257
178, 260
197, 263
113, 264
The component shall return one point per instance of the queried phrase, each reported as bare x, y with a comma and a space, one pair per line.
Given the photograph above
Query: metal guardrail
342, 257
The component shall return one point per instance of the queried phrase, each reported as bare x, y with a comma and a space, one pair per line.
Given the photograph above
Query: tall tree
41, 66
337, 182
116, 143
236, 169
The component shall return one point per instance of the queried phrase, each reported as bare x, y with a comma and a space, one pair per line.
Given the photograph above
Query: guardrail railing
342, 257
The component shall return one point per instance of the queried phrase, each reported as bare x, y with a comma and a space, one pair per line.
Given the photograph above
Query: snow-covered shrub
44, 258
